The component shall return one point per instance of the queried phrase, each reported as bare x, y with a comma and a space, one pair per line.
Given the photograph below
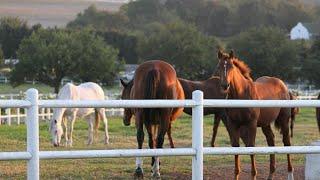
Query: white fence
18, 115
33, 155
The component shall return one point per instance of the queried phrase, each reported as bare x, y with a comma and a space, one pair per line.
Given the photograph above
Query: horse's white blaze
85, 91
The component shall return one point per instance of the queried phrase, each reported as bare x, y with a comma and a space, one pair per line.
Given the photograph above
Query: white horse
67, 116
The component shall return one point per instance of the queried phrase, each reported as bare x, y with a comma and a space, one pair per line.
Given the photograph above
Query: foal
235, 78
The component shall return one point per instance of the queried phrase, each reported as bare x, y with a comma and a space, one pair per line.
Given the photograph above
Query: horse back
269, 88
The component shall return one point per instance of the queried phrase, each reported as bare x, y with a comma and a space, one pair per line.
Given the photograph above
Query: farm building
305, 31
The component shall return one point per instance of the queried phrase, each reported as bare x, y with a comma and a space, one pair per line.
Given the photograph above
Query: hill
52, 12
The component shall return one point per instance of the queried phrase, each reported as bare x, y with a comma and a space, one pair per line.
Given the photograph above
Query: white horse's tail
97, 119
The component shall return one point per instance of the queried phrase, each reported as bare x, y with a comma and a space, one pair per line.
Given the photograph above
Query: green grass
13, 138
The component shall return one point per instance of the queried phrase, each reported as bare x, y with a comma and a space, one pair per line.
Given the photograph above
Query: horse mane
243, 67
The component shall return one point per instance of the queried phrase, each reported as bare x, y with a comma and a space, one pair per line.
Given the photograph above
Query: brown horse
235, 78
211, 90
318, 115
153, 80
128, 112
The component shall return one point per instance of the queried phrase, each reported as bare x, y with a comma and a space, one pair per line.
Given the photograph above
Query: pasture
13, 138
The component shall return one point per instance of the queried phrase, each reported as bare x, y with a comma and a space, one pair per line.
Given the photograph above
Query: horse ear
124, 84
220, 54
231, 54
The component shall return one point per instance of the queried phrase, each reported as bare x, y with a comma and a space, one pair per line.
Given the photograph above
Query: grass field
13, 138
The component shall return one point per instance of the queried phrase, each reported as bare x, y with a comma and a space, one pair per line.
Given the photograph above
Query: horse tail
152, 81
97, 119
292, 115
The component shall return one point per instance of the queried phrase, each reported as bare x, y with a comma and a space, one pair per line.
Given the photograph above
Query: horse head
127, 86
56, 131
224, 68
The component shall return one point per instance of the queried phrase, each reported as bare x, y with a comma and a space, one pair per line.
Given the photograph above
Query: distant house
305, 31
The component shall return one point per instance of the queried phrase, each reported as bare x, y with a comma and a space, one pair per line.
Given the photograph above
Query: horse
209, 87
128, 112
153, 79
66, 116
243, 122
318, 114
211, 90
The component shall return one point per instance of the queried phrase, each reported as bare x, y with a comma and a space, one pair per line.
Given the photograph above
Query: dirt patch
226, 172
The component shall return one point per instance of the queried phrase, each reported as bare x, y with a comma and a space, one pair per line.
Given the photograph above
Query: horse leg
140, 138
251, 132
286, 142
234, 133
71, 125
215, 129
164, 127
65, 125
90, 129
105, 122
170, 137
267, 131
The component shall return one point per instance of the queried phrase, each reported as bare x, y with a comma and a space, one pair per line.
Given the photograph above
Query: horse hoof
156, 175
290, 176
106, 141
139, 173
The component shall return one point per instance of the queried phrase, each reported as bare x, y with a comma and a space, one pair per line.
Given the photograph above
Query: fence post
8, 112
18, 116
197, 135
33, 134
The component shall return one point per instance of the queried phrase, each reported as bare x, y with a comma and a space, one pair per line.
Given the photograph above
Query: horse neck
58, 114
239, 85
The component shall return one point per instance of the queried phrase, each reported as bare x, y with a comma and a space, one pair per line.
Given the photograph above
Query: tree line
186, 33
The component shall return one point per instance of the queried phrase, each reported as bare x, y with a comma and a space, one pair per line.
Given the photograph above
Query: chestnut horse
235, 78
153, 80
211, 90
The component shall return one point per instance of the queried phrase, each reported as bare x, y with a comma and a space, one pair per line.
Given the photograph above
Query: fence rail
33, 155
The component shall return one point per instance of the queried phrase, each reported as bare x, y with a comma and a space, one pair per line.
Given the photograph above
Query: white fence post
18, 116
33, 134
197, 135
8, 112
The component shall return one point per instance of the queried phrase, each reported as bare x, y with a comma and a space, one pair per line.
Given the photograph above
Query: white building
305, 31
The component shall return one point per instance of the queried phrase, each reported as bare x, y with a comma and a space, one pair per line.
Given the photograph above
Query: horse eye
55, 131
55, 121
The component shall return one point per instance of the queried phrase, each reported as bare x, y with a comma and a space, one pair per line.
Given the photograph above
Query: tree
311, 64
12, 31
50, 55
192, 54
267, 51
100, 20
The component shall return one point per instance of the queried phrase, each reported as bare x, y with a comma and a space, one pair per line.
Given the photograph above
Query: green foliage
311, 64
267, 51
99, 20
50, 55
191, 53
12, 31
126, 44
